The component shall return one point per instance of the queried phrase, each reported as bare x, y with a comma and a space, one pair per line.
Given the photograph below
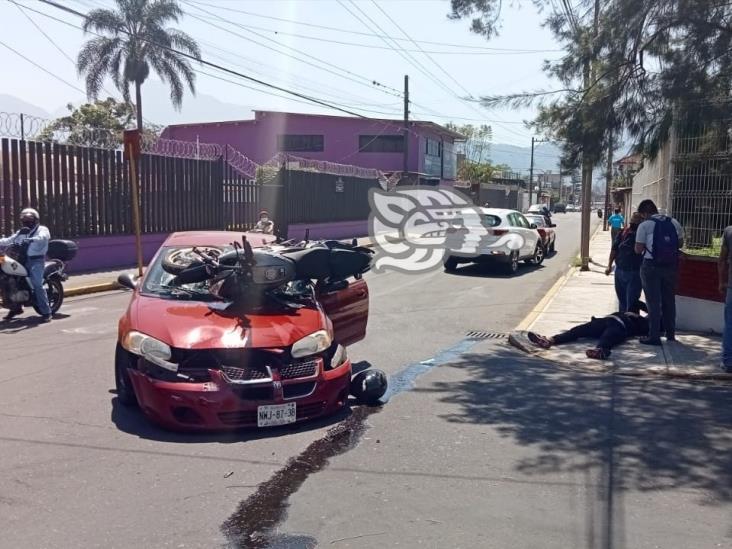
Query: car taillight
499, 232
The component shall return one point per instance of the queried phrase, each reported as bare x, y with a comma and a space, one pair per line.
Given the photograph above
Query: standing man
725, 288
659, 239
617, 222
33, 239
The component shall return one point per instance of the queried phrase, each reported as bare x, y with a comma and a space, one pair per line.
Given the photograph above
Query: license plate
276, 414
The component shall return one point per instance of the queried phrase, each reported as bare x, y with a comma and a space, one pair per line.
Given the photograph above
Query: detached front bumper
220, 404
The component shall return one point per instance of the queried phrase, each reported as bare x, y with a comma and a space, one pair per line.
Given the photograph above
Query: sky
283, 42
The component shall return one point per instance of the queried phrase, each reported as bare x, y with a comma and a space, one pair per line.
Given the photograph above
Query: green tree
650, 62
97, 124
133, 40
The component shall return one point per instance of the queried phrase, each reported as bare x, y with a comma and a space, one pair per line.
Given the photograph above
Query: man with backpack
659, 239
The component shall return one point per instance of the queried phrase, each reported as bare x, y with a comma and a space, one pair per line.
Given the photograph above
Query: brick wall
698, 278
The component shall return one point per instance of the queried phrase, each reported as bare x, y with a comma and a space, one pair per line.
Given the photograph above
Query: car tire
539, 254
122, 381
451, 264
513, 263
552, 249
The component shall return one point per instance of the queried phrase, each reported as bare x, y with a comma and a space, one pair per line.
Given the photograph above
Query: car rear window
490, 220
538, 221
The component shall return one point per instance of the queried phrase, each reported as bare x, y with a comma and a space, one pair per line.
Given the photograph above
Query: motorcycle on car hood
222, 337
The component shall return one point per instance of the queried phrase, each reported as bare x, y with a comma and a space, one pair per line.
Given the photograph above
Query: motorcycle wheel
55, 293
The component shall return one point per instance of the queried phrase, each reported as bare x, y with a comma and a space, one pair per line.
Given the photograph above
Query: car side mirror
533, 226
127, 280
553, 225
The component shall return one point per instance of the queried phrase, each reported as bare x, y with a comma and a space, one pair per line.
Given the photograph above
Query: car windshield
537, 220
158, 281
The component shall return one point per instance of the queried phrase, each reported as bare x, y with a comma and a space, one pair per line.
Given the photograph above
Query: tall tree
133, 39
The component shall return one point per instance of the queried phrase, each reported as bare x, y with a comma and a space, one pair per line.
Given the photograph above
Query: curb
92, 289
110, 286
516, 340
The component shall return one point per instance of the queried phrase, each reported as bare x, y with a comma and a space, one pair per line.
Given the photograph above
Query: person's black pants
659, 286
610, 332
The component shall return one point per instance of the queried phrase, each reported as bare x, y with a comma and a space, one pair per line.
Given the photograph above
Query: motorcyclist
33, 241
265, 224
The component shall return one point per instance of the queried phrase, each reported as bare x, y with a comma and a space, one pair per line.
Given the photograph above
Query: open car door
348, 310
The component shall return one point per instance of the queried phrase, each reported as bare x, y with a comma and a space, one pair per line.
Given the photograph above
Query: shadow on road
131, 420
20, 324
493, 270
660, 434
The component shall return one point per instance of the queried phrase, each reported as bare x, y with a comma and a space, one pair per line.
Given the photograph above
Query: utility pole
608, 179
589, 74
531, 171
406, 124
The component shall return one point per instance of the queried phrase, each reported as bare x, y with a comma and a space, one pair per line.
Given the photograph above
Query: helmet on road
369, 386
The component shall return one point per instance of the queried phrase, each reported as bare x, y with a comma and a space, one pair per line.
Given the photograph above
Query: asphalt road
487, 450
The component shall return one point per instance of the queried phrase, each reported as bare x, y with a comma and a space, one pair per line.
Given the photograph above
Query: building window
300, 143
381, 143
433, 148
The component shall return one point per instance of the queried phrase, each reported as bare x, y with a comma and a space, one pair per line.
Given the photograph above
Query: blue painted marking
405, 379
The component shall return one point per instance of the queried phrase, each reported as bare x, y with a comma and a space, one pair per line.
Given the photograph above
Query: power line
355, 77
219, 67
16, 52
360, 33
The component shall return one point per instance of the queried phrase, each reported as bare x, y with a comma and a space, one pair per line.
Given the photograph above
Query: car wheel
513, 263
450, 264
123, 383
539, 254
552, 249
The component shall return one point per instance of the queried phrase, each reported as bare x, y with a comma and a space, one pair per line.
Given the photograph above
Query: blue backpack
665, 242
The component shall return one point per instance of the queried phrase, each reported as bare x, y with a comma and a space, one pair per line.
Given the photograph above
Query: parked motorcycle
15, 285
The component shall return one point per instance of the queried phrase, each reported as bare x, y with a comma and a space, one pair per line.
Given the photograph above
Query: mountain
546, 157
14, 105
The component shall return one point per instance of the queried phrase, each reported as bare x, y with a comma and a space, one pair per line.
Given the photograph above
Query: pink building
365, 142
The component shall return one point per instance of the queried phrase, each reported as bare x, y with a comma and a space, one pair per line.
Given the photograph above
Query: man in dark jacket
610, 331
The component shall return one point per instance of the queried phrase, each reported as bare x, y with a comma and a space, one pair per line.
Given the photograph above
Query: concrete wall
652, 181
699, 305
257, 139
699, 315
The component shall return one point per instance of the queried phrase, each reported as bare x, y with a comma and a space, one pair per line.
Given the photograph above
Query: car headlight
317, 342
151, 349
339, 356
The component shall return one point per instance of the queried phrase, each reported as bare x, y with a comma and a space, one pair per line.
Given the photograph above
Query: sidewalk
580, 295
103, 281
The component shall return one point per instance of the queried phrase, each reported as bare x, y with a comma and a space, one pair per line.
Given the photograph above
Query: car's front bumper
218, 404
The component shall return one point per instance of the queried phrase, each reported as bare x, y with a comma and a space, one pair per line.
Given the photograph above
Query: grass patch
707, 251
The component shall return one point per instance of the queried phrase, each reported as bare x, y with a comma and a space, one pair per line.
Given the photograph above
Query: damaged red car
226, 332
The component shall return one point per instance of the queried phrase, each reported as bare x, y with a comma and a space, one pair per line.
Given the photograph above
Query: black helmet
369, 386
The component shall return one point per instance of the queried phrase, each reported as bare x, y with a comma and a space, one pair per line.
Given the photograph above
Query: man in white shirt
659, 270
34, 238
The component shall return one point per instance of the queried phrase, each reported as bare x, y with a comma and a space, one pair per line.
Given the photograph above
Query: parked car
547, 232
571, 208
559, 208
200, 349
511, 238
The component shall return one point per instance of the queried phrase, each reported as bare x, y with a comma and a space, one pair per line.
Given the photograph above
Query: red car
548, 235
191, 366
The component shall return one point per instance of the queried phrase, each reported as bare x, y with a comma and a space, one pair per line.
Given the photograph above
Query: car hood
195, 325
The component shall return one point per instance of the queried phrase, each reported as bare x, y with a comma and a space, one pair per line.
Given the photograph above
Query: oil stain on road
253, 524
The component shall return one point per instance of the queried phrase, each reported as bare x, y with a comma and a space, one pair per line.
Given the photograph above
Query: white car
504, 236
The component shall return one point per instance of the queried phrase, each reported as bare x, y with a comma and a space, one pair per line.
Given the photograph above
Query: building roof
629, 159
429, 125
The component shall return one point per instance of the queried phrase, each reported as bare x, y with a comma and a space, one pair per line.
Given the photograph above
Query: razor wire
241, 163
323, 166
181, 149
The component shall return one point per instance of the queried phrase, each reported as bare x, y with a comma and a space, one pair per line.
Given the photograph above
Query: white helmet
30, 211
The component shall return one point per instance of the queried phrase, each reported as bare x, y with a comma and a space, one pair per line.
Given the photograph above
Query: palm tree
132, 40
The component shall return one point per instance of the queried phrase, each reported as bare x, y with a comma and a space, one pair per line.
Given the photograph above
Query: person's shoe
12, 314
598, 354
648, 341
46, 318
539, 340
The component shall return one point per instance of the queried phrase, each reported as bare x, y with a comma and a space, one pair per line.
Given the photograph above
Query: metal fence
701, 194
85, 191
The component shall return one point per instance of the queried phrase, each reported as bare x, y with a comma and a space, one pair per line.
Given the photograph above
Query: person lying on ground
610, 331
